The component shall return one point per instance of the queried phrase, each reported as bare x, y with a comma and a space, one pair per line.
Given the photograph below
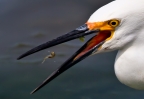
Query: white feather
128, 39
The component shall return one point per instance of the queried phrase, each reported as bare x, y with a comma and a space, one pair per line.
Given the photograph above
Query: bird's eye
114, 23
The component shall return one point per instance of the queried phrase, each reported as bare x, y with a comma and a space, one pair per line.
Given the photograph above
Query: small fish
51, 55
82, 39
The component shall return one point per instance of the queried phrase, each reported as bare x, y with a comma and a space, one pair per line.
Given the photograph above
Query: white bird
118, 25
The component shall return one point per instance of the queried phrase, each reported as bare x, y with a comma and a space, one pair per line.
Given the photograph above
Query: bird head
115, 25
124, 19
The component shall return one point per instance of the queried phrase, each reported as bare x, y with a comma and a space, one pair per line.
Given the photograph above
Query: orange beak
102, 32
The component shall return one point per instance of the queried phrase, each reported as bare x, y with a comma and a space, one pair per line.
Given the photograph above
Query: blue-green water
26, 24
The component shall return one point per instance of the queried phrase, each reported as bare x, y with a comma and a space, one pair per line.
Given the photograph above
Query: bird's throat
129, 67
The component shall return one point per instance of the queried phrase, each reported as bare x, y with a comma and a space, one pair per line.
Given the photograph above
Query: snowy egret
118, 25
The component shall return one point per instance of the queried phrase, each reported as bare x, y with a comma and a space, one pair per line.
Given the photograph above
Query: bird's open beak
87, 49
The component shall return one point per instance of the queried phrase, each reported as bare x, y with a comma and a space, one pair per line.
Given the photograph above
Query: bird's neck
133, 51
129, 65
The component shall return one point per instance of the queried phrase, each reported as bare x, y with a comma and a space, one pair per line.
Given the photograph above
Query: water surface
26, 24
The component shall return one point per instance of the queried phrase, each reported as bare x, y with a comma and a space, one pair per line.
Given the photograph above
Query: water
26, 24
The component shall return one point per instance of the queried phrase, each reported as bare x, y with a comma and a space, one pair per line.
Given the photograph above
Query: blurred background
25, 24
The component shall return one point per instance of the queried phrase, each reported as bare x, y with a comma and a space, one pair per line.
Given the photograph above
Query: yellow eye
114, 23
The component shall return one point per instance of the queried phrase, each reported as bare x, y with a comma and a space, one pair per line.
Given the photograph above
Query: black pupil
113, 23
